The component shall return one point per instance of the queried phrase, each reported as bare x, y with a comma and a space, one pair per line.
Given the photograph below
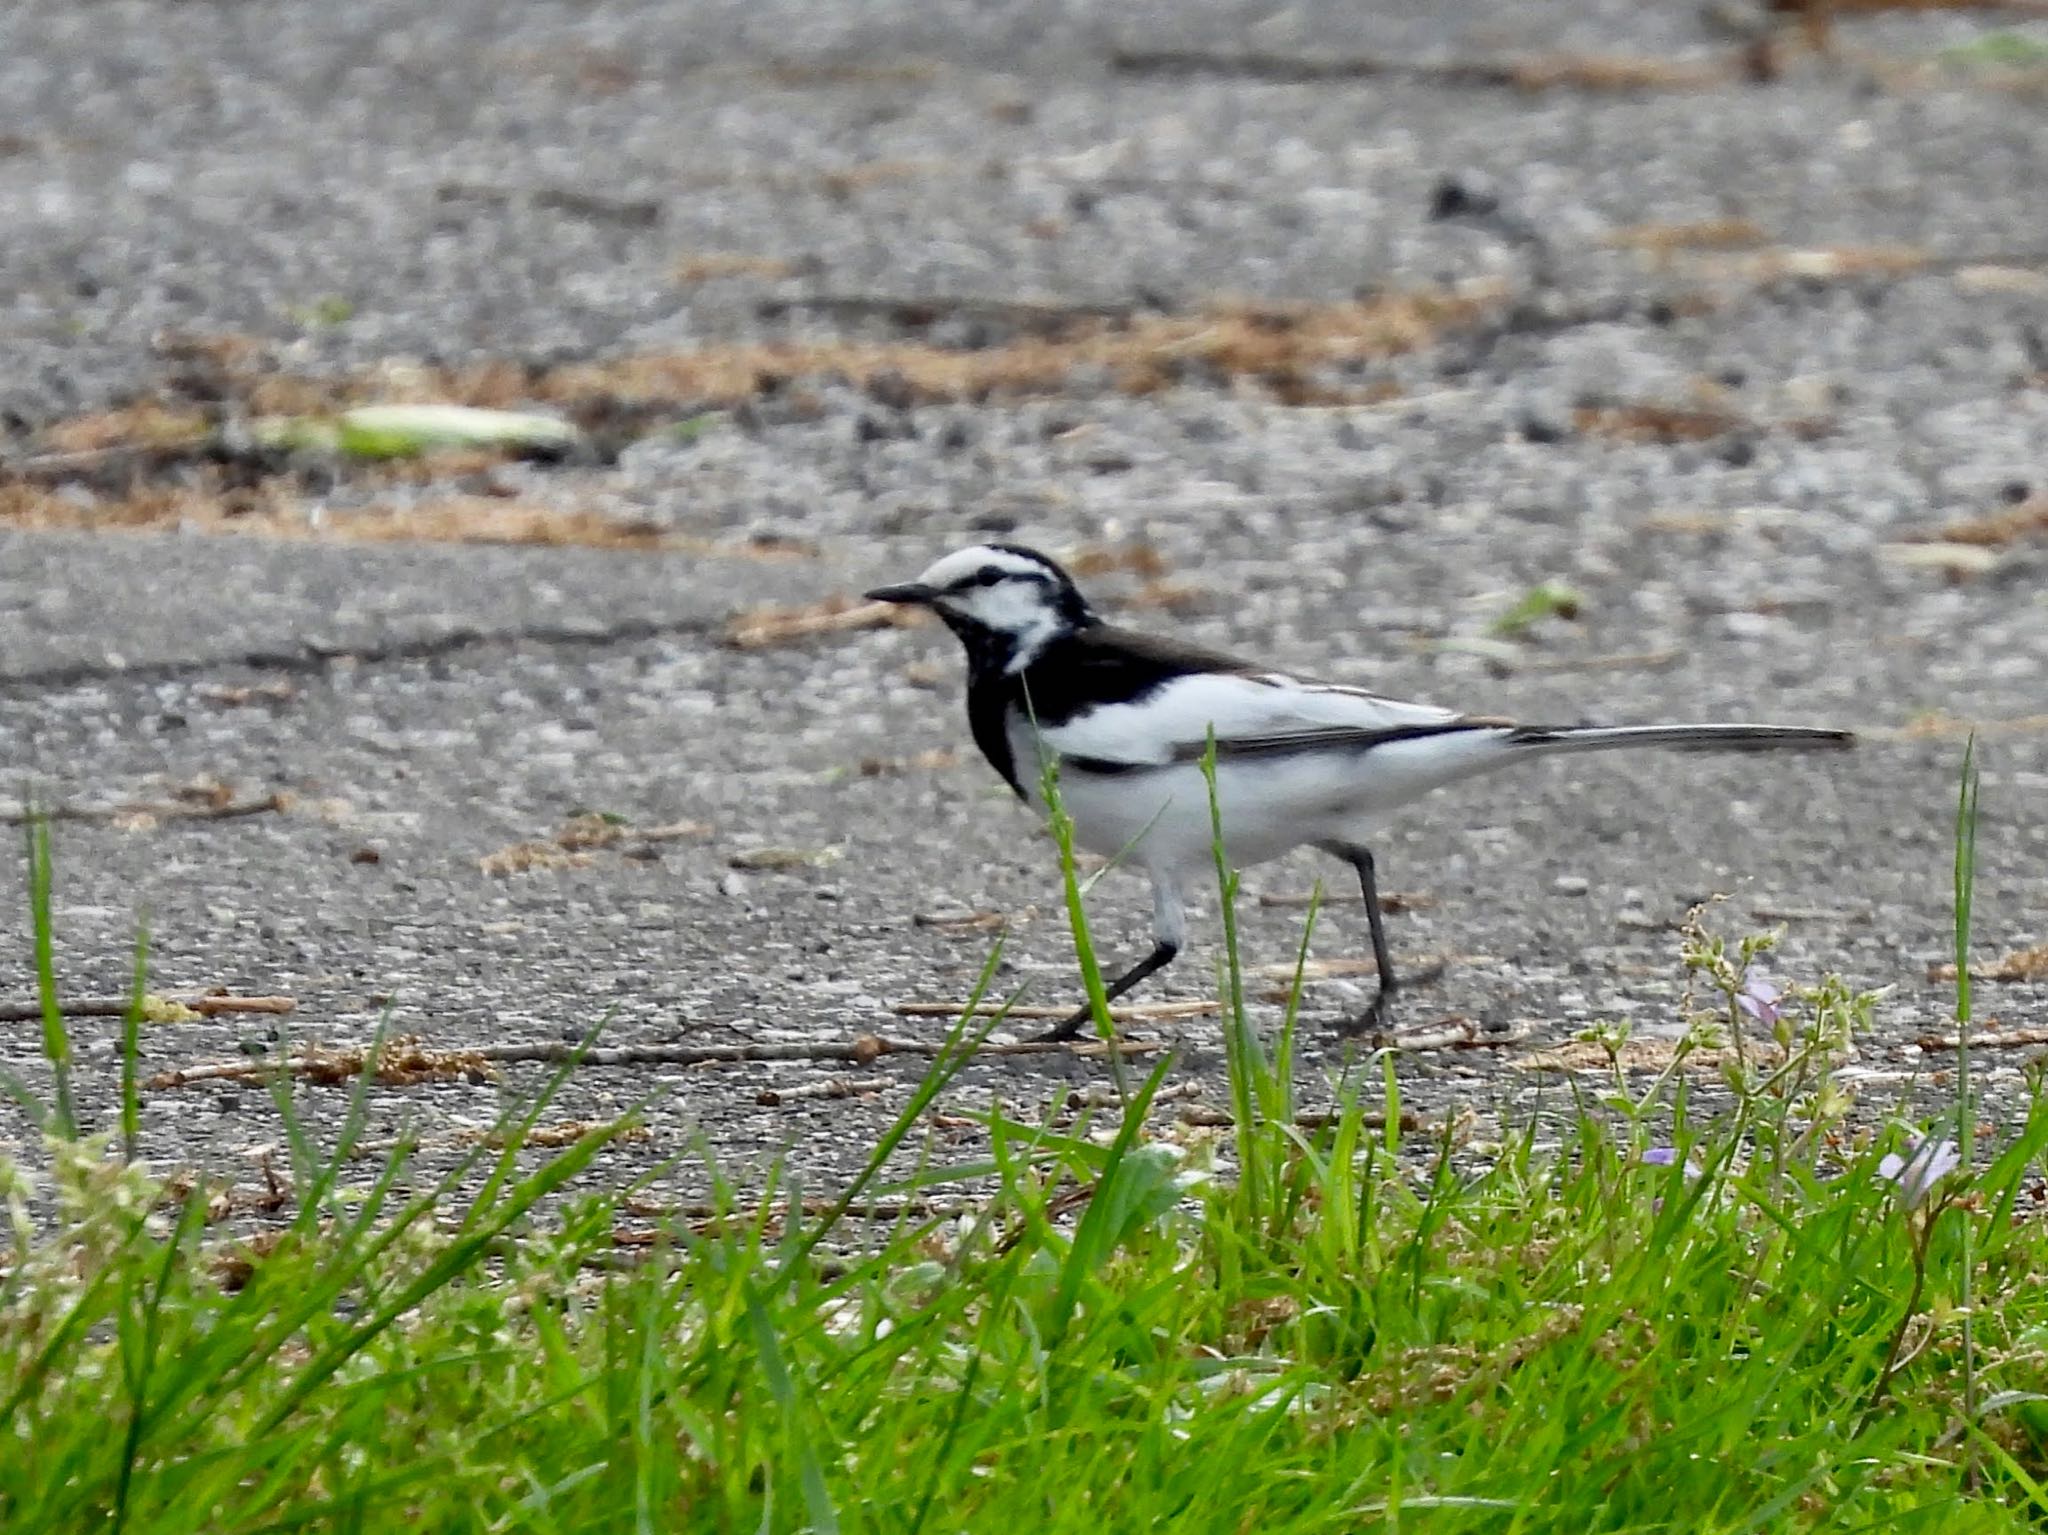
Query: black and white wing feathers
1118, 701
1109, 700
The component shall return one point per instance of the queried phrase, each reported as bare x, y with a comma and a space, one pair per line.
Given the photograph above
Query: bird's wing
1250, 713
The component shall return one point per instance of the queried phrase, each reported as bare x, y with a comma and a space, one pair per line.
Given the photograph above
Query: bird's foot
1079, 1028
1067, 1030
1376, 1023
1374, 1026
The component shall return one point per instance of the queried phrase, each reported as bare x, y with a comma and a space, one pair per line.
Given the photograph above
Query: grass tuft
1654, 1320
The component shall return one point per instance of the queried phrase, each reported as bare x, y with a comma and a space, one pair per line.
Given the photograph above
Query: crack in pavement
313, 656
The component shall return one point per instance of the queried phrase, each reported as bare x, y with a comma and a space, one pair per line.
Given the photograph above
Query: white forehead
974, 559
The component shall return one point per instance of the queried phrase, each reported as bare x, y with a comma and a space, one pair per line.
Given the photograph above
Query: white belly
1159, 818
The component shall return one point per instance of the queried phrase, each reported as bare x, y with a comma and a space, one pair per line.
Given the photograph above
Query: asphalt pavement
1743, 347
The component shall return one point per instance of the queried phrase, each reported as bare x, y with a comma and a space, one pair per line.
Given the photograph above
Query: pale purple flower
1925, 1164
1759, 998
1667, 1156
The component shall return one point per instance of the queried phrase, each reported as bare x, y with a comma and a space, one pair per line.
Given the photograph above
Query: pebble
1753, 626
1571, 884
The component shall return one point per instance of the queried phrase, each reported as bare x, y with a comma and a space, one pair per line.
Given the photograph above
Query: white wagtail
1128, 717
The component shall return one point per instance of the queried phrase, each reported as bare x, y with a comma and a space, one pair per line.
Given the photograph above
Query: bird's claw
1377, 1021
1066, 1031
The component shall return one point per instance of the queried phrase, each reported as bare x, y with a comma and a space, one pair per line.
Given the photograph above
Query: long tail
1693, 738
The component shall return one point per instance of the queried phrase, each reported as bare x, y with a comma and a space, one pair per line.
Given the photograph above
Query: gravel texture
371, 188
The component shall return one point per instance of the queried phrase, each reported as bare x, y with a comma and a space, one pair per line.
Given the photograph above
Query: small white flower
1924, 1165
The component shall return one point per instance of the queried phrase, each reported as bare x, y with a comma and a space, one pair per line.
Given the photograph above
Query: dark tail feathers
1700, 738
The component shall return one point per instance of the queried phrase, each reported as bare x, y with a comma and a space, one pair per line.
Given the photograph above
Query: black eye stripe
988, 575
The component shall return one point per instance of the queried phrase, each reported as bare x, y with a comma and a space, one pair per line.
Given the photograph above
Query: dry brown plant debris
580, 838
761, 628
1729, 233
2030, 964
2023, 519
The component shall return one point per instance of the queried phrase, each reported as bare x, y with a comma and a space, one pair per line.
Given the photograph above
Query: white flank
1174, 721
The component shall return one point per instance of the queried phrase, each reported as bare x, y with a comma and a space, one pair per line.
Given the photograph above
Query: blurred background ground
1737, 327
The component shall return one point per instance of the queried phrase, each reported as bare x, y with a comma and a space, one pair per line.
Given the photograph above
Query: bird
1126, 720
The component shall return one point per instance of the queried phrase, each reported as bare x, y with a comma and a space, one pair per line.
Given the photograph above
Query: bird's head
1005, 602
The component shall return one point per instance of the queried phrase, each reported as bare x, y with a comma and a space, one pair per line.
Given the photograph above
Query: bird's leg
1161, 956
1360, 859
1169, 930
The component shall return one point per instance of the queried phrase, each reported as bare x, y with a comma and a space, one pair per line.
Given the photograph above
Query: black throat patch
1085, 668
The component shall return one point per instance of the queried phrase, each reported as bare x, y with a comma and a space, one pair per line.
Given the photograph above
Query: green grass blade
80, 1316
1250, 1073
459, 1258
1966, 1106
131, 1047
953, 1055
37, 1113
824, 1515
510, 1136
1119, 1189
1281, 1110
140, 1361
63, 1116
1077, 911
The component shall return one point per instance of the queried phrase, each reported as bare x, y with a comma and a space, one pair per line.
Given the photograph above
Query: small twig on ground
633, 212
1985, 1034
861, 1210
60, 465
1625, 661
1536, 72
1646, 421
764, 627
405, 1062
1939, 726
831, 1087
919, 311
1770, 912
1458, 1034
1958, 562
970, 921
145, 811
207, 1005
402, 1062
1827, 263
1392, 902
1103, 1095
1141, 1012
2021, 520
1694, 234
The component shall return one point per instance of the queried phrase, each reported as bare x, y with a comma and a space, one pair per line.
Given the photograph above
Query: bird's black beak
910, 591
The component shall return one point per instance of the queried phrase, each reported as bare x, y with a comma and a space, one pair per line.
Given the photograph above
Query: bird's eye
988, 575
